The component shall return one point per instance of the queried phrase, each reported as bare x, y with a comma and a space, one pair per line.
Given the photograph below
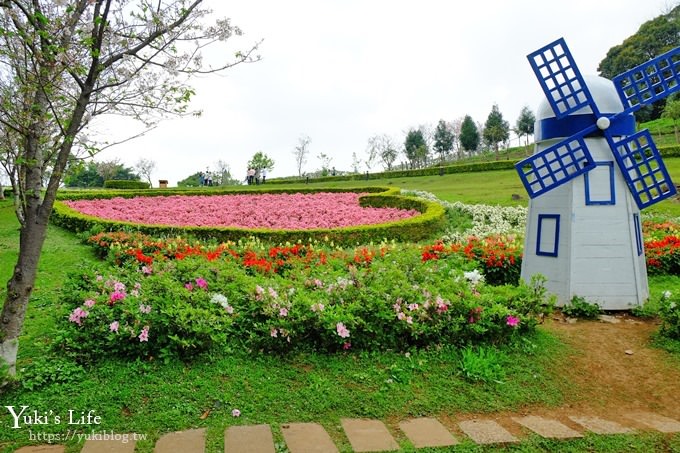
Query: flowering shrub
662, 247
669, 311
500, 257
278, 211
286, 298
485, 220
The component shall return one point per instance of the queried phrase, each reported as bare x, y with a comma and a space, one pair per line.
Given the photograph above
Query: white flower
474, 277
666, 294
220, 299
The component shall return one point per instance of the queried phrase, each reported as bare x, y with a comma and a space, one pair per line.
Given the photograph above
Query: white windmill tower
589, 177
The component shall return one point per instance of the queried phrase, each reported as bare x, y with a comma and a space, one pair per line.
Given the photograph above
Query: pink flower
119, 287
229, 309
77, 315
512, 321
342, 330
189, 286
116, 296
274, 333
412, 307
113, 327
283, 312
99, 278
273, 293
401, 316
235, 413
347, 345
201, 283
145, 308
89, 303
409, 319
144, 334
146, 270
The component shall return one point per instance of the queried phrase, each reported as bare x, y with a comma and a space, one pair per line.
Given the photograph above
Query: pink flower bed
279, 211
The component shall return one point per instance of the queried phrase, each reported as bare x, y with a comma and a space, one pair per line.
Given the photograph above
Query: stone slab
189, 441
548, 428
249, 439
117, 445
427, 432
486, 432
600, 426
368, 435
658, 422
307, 438
42, 449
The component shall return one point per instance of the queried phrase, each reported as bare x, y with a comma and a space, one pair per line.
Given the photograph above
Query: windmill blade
560, 79
556, 165
650, 81
642, 168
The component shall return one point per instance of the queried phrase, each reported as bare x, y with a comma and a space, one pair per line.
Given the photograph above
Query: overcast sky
343, 71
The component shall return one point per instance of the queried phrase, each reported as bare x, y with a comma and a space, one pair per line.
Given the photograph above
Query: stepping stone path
371, 435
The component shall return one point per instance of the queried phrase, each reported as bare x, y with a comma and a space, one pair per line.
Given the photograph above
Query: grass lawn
154, 398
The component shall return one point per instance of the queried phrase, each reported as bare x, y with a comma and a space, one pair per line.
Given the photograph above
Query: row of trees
94, 173
424, 145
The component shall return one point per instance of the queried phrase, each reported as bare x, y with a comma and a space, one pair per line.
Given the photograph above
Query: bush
669, 311
286, 299
125, 184
579, 307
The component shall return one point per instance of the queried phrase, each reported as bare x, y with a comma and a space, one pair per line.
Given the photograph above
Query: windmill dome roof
603, 92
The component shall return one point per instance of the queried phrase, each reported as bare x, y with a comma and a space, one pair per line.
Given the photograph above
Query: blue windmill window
638, 233
600, 184
547, 239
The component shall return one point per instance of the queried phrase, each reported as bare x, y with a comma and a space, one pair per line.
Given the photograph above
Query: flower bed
171, 297
298, 211
401, 218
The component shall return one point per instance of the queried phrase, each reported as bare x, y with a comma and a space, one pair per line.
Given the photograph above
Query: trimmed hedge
125, 184
430, 171
420, 227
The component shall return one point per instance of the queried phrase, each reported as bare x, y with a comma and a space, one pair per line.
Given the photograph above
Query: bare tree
145, 167
301, 152
62, 63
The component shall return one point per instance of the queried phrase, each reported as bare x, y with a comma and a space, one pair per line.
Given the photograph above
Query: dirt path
615, 369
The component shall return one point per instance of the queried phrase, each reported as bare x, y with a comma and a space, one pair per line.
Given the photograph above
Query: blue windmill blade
650, 81
556, 165
642, 168
560, 79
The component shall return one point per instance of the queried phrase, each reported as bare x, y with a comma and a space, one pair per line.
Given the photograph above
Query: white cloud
341, 72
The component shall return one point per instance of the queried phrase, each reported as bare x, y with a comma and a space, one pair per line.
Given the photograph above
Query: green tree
415, 147
469, 135
525, 125
496, 129
66, 62
260, 161
653, 38
93, 174
443, 139
672, 111
191, 180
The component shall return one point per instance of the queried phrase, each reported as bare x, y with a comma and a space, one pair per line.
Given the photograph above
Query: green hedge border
420, 227
125, 184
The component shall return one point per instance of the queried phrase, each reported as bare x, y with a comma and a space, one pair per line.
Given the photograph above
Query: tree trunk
19, 288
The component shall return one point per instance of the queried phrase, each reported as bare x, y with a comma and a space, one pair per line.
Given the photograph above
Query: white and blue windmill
590, 175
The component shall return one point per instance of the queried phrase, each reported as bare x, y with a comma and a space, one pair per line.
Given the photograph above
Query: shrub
287, 298
579, 307
669, 311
